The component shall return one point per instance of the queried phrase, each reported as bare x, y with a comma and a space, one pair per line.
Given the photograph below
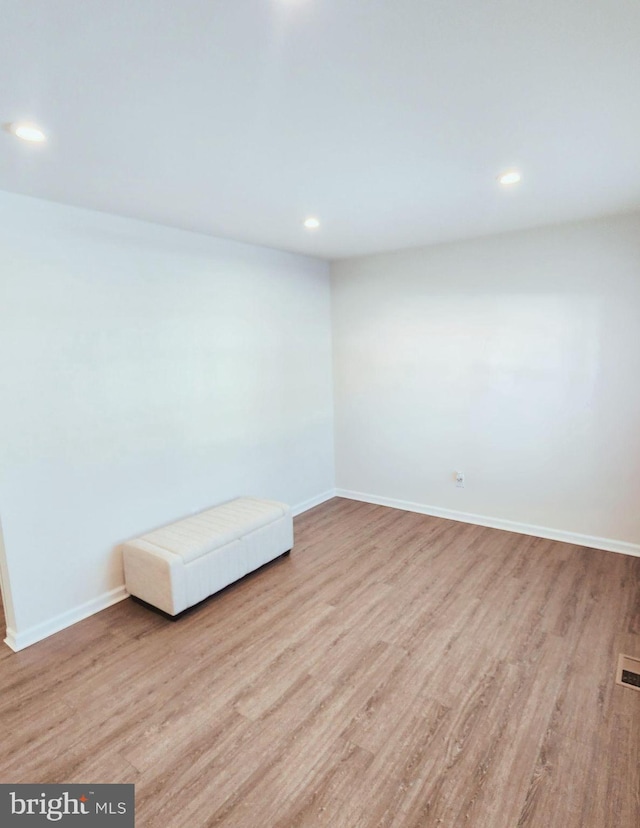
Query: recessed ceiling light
28, 132
312, 223
510, 177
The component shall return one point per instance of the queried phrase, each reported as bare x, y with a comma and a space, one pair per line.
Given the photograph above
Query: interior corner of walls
299, 508
19, 640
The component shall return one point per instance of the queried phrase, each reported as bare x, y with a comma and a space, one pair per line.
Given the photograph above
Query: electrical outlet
460, 480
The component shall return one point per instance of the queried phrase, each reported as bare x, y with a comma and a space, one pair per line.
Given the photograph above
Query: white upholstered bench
183, 563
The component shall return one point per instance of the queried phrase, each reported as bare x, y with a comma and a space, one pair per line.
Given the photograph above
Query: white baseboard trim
18, 641
623, 547
313, 501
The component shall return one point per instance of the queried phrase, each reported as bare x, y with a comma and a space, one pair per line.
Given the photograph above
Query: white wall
515, 359
146, 373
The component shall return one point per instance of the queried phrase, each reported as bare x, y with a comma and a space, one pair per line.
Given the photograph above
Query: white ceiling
387, 119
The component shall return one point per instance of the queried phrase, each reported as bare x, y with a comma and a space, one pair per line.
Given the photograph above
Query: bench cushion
195, 536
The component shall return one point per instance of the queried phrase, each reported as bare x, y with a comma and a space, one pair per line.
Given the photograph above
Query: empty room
320, 413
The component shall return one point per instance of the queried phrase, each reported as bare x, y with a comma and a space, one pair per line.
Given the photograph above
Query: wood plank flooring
396, 670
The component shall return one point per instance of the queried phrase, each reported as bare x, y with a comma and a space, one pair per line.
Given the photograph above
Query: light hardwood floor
396, 670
